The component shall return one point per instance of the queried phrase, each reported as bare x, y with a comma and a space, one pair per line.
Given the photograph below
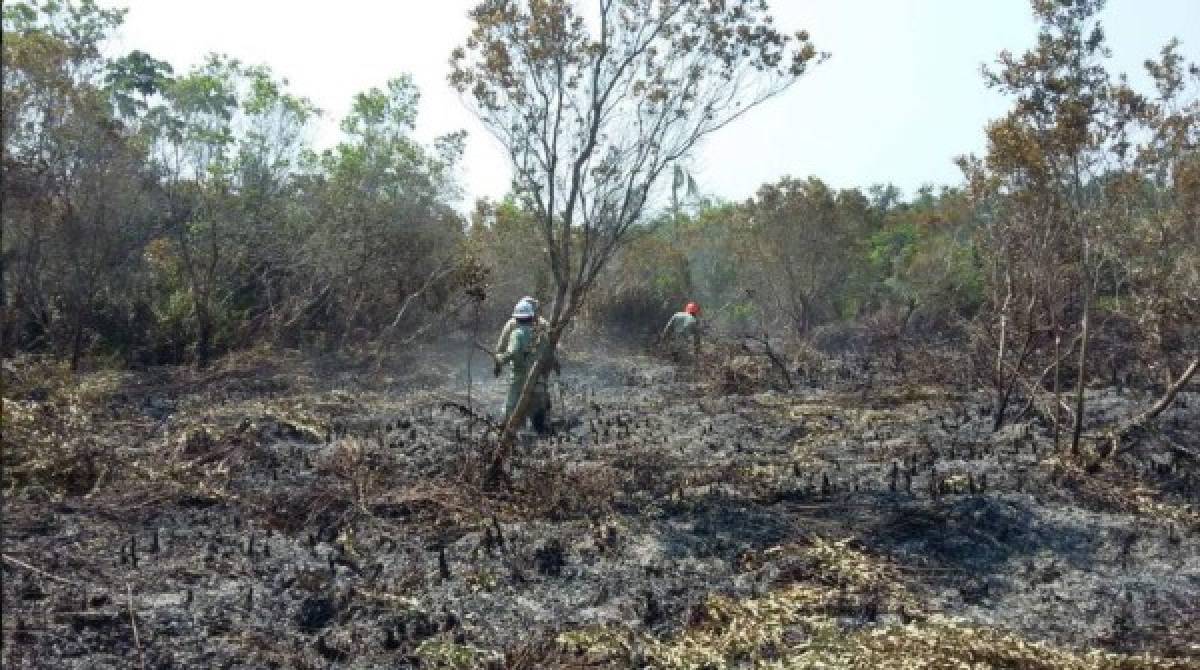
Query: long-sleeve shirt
523, 346
683, 326
509, 326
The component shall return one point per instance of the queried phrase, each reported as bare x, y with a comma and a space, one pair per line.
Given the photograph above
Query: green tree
378, 229
134, 79
72, 216
922, 259
804, 238
226, 142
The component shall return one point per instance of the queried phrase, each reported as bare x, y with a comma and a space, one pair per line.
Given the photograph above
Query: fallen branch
443, 270
468, 412
1035, 392
1183, 450
484, 349
771, 355
43, 573
1117, 434
133, 622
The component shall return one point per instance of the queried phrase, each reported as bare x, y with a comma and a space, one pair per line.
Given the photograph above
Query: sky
899, 98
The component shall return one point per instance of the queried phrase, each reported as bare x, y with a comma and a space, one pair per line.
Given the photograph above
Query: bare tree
594, 105
1061, 134
1157, 205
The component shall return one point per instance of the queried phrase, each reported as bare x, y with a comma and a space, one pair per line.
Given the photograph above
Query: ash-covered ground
283, 513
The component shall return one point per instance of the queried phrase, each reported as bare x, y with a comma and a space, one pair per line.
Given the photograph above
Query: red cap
692, 308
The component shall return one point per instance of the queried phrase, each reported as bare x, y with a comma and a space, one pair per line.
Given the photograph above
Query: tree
804, 237
226, 142
922, 259
376, 227
1158, 248
594, 105
509, 240
164, 217
1041, 229
136, 74
72, 217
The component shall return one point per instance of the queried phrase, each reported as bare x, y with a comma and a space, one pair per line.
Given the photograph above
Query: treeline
153, 216
161, 217
802, 260
1070, 255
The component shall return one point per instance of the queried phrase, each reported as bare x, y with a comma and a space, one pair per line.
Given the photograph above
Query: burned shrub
550, 558
315, 613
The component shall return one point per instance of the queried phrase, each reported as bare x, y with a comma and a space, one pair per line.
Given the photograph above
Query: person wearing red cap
683, 326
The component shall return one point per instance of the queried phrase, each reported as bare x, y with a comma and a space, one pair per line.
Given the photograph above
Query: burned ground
278, 512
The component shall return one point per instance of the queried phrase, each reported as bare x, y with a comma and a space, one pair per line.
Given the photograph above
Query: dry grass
59, 431
829, 613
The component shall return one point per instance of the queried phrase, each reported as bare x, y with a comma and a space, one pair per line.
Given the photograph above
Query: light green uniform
681, 328
510, 326
524, 343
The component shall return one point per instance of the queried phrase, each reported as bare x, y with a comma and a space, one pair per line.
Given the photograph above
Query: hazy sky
900, 97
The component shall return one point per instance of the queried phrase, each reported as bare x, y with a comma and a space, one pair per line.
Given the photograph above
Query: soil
291, 513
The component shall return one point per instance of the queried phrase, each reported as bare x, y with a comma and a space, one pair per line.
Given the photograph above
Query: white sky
900, 97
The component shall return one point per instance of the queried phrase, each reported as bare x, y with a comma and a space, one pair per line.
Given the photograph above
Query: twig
484, 349
43, 573
133, 622
1174, 446
905, 568
448, 403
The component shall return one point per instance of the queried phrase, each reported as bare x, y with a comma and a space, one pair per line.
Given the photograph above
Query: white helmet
532, 301
523, 310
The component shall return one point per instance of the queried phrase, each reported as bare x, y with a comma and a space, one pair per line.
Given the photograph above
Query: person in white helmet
541, 324
523, 346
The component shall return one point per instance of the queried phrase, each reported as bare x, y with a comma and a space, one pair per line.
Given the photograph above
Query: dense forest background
159, 217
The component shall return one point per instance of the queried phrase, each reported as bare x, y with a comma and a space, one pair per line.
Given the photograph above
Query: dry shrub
729, 370
53, 423
840, 338
648, 469
810, 363
536, 653
362, 471
441, 651
936, 365
553, 490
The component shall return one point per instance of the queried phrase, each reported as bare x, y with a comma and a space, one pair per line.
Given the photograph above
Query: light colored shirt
683, 325
509, 326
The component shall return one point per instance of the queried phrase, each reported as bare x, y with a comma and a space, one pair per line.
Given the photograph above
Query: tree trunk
1057, 388
204, 332
77, 340
8, 313
1081, 380
1001, 407
1002, 389
800, 317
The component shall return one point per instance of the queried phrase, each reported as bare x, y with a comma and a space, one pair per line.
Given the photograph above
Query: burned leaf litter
277, 520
